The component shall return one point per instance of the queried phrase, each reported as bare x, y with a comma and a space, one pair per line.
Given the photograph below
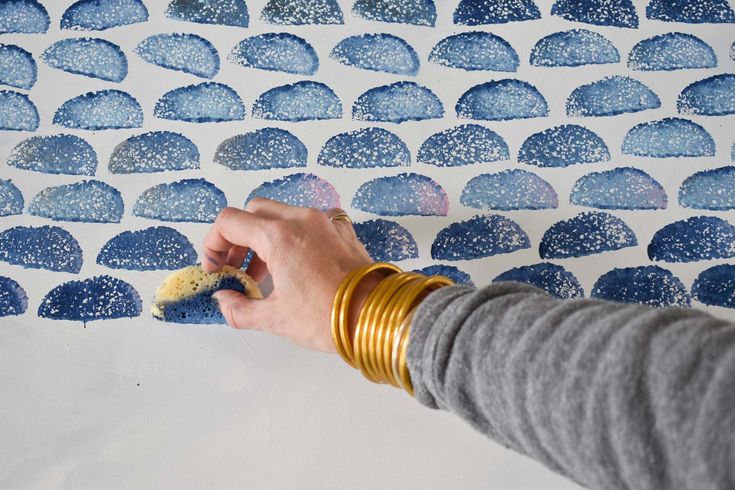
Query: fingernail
216, 302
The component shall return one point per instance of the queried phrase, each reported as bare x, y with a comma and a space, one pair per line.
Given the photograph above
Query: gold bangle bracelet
396, 347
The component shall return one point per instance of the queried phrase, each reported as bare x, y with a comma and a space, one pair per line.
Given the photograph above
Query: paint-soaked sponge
186, 295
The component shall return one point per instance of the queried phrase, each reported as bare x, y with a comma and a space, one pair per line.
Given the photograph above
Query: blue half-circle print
11, 199
509, 190
17, 112
669, 137
650, 285
154, 248
477, 237
365, 148
450, 271
13, 298
301, 101
302, 189
57, 154
415, 12
276, 51
398, 103
377, 52
181, 52
502, 100
463, 145
206, 102
716, 286
95, 111
89, 201
586, 234
17, 67
576, 47
620, 188
473, 51
261, 150
611, 96
486, 12
693, 239
94, 58
406, 194
97, 298
613, 13
45, 247
672, 51
188, 200
562, 146
218, 12
691, 11
709, 189
302, 12
386, 241
98, 15
23, 17
713, 96
552, 278
157, 151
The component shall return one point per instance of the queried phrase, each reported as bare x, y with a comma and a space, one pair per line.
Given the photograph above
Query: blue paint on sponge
157, 151
620, 188
11, 199
562, 146
365, 148
406, 194
576, 47
709, 189
473, 51
188, 200
301, 189
693, 239
398, 103
217, 12
261, 150
415, 12
386, 241
95, 111
713, 96
276, 51
57, 154
502, 100
13, 299
716, 286
463, 145
301, 101
650, 285
477, 237
671, 51
552, 278
206, 102
98, 298
486, 12
302, 12
181, 52
378, 52
17, 112
586, 234
669, 137
17, 67
509, 190
23, 17
98, 15
613, 13
611, 96
94, 58
89, 201
155, 248
46, 247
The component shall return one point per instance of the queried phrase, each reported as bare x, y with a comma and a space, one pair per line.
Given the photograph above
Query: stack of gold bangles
379, 344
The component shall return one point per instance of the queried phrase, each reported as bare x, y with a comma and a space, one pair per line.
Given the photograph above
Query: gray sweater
613, 396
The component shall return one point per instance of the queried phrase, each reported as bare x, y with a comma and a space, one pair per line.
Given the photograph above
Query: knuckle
227, 213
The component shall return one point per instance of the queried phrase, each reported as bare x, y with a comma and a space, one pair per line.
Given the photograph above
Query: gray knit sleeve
613, 396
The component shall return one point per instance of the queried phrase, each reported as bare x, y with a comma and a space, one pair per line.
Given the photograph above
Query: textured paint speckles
713, 96
715, 286
552, 278
613, 13
89, 201
91, 57
691, 11
669, 137
276, 51
155, 248
463, 145
477, 237
57, 154
157, 151
486, 12
11, 199
301, 101
305, 190
386, 241
365, 148
713, 190
406, 194
181, 52
415, 12
45, 247
98, 298
473, 51
95, 111
649, 285
17, 67
17, 112
562, 146
611, 96
261, 150
575, 47
672, 51
377, 52
457, 275
587, 233
217, 12
509, 190
502, 100
188, 200
398, 103
621, 188
302, 12
23, 17
98, 15
693, 239
202, 103
13, 298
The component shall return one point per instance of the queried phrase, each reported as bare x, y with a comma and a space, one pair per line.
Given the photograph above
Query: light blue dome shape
150, 249
693, 239
611, 96
502, 100
95, 111
17, 67
486, 12
98, 15
649, 285
301, 101
406, 194
98, 298
474, 51
202, 103
17, 112
188, 200
713, 96
45, 247
575, 47
509, 190
11, 199
386, 241
181, 52
716, 286
669, 137
610, 13
365, 148
691, 11
587, 233
463, 145
261, 150
619, 188
56, 154
89, 201
398, 103
13, 298
302, 12
378, 52
450, 271
478, 237
561, 146
709, 189
23, 17
552, 278
276, 51
671, 51
157, 151
219, 12
91, 57
416, 12
300, 189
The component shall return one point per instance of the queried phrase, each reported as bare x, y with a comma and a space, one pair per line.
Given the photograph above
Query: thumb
239, 310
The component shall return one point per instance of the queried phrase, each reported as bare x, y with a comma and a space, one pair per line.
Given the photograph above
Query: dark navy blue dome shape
587, 233
45, 247
386, 241
13, 298
97, 298
261, 150
575, 47
713, 96
23, 17
502, 100
611, 96
450, 271
671, 51
301, 189
98, 15
716, 286
57, 154
218, 12
619, 188
416, 12
188, 200
650, 285
406, 194
613, 13
509, 190
552, 278
463, 145
693, 239
477, 237
378, 52
709, 189
691, 11
17, 112
155, 248
89, 201
91, 57
301, 101
95, 111
276, 51
365, 148
669, 137
181, 52
157, 151
473, 51
17, 67
202, 103
398, 103
11, 199
562, 146
487, 12
302, 12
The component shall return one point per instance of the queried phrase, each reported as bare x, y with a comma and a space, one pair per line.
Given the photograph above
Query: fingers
343, 225
243, 312
236, 256
257, 269
233, 228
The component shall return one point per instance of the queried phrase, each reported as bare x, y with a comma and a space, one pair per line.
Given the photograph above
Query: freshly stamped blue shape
181, 52
188, 200
17, 67
649, 285
11, 199
502, 100
620, 188
97, 298
693, 239
716, 286
98, 15
95, 111
450, 271
276, 51
13, 299
302, 12
552, 278
23, 17
486, 12
613, 13
709, 189
378, 52
301, 101
509, 190
365, 148
669, 137
155, 248
17, 112
713, 96
474, 51
89, 201
415, 12
203, 103
575, 47
611, 96
217, 12
301, 189
463, 145
91, 57
262, 149
562, 146
157, 151
672, 51
586, 234
57, 154
691, 11
402, 195
398, 103
386, 241
478, 237
45, 247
